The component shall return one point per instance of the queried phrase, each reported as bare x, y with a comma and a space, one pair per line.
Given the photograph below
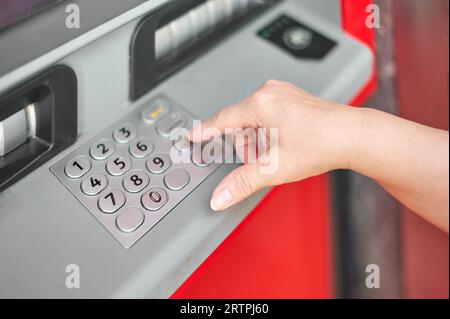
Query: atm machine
90, 92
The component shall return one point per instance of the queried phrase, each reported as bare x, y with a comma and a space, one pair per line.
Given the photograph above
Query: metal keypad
127, 176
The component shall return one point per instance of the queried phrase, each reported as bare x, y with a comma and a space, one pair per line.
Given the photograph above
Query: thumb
239, 184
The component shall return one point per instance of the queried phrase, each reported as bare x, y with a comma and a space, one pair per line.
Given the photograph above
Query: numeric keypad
125, 175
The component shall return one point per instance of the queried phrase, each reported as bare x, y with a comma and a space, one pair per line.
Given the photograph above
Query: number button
159, 163
94, 184
135, 181
154, 199
77, 167
102, 149
130, 219
155, 111
141, 148
125, 133
112, 201
177, 179
119, 165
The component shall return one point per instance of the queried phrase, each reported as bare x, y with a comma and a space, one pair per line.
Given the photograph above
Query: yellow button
155, 111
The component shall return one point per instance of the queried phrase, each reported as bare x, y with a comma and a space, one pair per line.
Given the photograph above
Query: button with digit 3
102, 149
142, 147
154, 199
158, 163
135, 181
94, 184
119, 165
124, 133
111, 201
77, 167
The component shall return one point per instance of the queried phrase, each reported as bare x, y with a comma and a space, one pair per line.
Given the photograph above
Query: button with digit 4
154, 198
158, 163
94, 184
124, 133
142, 147
102, 149
111, 201
118, 165
135, 181
77, 167
155, 111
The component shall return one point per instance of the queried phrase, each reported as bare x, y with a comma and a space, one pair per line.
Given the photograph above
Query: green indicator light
265, 34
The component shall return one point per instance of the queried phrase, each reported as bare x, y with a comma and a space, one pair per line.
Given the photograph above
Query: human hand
314, 136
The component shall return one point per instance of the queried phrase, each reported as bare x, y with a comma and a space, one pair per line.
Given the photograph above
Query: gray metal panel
329, 10
24, 68
21, 43
36, 244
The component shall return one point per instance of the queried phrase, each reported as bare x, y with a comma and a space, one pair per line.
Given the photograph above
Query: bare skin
316, 136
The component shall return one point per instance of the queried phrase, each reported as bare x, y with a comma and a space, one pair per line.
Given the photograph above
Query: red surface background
422, 50
282, 249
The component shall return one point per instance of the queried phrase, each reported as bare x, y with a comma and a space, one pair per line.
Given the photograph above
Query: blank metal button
155, 111
130, 219
77, 167
206, 153
142, 147
124, 133
158, 163
112, 201
135, 181
119, 165
176, 179
94, 184
170, 123
102, 149
182, 144
154, 199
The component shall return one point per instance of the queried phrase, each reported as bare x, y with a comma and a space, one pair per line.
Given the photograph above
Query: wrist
349, 131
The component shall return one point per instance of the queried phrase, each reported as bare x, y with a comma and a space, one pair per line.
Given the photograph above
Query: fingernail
221, 199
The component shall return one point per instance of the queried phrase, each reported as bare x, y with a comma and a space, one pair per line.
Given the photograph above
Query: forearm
408, 159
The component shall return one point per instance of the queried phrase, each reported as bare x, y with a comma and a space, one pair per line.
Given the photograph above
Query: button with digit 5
119, 165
